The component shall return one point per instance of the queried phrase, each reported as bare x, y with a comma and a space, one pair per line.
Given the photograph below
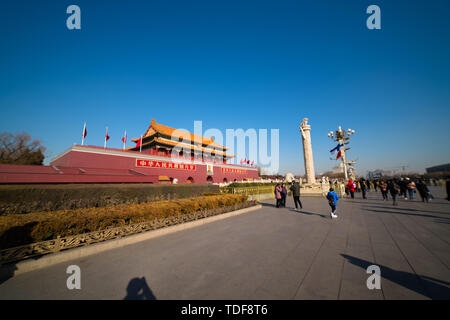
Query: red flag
138, 144
84, 132
106, 136
338, 155
248, 161
124, 139
252, 163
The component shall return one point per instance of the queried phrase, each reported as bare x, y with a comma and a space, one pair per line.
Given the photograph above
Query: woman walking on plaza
423, 190
384, 189
394, 190
277, 192
362, 182
295, 189
283, 195
351, 188
411, 188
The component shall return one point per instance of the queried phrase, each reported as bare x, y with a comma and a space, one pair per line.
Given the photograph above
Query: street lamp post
342, 136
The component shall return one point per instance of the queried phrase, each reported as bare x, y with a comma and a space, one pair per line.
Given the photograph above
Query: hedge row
21, 229
31, 198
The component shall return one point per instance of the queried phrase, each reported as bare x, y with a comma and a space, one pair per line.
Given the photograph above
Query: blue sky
233, 64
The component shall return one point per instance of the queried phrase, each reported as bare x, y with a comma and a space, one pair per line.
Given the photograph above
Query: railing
318, 189
248, 190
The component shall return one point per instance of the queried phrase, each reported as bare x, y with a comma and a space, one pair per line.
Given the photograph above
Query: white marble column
305, 129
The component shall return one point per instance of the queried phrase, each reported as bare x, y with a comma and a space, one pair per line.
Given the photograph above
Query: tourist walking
362, 182
375, 185
447, 188
283, 195
351, 188
423, 190
368, 185
411, 188
332, 201
394, 190
277, 192
384, 189
295, 189
403, 188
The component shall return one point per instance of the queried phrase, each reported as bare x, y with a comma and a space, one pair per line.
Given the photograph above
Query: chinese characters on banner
164, 165
237, 171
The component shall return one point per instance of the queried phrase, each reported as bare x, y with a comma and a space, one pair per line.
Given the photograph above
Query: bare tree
20, 149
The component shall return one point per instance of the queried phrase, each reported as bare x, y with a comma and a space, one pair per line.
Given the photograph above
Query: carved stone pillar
305, 129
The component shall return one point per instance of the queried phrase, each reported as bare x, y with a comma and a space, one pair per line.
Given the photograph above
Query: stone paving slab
272, 253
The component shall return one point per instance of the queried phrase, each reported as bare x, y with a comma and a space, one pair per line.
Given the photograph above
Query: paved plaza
272, 254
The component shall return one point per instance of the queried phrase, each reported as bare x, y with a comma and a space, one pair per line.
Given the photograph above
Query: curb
54, 258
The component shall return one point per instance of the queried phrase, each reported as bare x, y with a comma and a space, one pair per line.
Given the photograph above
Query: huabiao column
305, 129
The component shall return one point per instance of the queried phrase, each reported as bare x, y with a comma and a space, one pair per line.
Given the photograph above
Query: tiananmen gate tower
162, 155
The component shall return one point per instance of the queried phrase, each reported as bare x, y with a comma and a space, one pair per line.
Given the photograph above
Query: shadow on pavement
412, 210
309, 213
138, 289
426, 286
265, 204
404, 213
7, 271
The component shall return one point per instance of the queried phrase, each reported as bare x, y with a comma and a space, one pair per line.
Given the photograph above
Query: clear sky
233, 64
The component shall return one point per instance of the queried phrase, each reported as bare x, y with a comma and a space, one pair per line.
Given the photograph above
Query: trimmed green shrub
31, 198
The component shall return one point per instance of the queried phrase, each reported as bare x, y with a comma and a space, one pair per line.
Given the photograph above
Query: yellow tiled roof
169, 131
187, 146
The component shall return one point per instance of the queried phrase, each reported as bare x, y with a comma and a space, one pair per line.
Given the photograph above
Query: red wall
80, 159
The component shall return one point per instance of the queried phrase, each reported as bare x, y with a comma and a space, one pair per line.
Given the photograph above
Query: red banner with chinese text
164, 165
236, 171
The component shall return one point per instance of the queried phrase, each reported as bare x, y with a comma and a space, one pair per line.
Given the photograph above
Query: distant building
338, 169
377, 174
439, 168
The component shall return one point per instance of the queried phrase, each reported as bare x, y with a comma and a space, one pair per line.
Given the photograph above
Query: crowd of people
281, 193
395, 188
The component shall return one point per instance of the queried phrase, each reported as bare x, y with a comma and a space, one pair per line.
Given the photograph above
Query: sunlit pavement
272, 254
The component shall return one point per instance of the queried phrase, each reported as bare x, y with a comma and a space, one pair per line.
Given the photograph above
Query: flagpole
82, 135
125, 140
106, 136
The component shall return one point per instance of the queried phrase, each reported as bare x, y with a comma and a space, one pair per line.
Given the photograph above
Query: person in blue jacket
332, 201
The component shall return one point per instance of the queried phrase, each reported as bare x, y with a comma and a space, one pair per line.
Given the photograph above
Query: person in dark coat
394, 190
403, 188
368, 185
295, 189
283, 195
447, 187
362, 182
375, 185
423, 190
